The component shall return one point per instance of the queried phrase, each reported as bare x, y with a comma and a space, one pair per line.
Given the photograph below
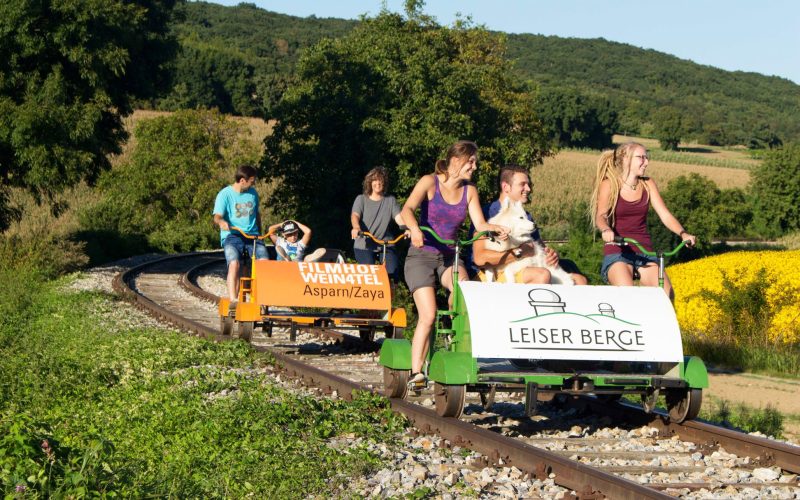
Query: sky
761, 36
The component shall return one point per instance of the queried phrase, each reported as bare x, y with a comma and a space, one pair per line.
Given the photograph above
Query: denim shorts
635, 260
235, 245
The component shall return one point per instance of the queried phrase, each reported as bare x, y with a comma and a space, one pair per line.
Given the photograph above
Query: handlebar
476, 237
619, 240
250, 236
379, 241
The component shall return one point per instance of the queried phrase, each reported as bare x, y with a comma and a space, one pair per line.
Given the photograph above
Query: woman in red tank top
620, 200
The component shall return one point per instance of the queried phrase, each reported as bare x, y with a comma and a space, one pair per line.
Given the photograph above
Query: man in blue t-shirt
237, 206
515, 185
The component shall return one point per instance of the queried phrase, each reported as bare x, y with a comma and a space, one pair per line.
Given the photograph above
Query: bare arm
273, 235
306, 232
419, 193
222, 223
483, 256
355, 223
666, 216
603, 207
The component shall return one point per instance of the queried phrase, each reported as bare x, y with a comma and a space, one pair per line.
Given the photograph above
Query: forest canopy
716, 107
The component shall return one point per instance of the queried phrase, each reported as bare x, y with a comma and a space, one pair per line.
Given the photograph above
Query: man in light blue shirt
237, 206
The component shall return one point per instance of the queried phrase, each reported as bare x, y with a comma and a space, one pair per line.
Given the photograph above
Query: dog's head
513, 216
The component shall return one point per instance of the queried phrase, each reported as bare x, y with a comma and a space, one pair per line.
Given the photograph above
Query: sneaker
315, 255
418, 381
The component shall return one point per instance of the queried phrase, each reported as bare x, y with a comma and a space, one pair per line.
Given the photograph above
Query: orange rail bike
343, 296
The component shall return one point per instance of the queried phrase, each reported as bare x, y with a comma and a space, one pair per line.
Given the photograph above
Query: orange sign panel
322, 284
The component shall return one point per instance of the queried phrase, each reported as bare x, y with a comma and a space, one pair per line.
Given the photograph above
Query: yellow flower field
781, 269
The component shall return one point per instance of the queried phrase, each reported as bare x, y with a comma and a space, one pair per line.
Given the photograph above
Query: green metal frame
455, 364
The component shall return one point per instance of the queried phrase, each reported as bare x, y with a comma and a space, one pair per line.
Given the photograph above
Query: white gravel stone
766, 474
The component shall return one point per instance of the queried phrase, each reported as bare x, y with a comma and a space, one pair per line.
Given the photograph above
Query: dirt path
759, 391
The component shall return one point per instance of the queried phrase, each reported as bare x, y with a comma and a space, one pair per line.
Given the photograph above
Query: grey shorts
423, 268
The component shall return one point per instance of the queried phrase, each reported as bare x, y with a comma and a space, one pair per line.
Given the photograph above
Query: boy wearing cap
237, 206
290, 246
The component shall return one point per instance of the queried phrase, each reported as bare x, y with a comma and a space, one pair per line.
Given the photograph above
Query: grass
767, 421
790, 241
90, 405
753, 357
738, 416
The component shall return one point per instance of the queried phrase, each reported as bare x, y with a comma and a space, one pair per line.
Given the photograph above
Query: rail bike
545, 341
300, 295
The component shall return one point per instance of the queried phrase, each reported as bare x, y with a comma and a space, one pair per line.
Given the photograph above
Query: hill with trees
241, 59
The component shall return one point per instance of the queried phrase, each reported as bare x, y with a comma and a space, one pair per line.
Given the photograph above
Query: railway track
593, 450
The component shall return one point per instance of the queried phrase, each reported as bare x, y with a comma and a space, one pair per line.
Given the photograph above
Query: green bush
47, 253
705, 210
775, 190
165, 193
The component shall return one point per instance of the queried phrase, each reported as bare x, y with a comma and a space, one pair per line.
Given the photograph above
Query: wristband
682, 233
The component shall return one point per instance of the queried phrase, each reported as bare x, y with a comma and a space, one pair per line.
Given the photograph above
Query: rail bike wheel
225, 325
684, 404
449, 399
395, 382
394, 332
267, 329
246, 330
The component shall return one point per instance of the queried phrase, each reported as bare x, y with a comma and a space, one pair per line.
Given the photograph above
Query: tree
775, 190
68, 73
397, 91
577, 120
704, 209
668, 127
165, 192
213, 76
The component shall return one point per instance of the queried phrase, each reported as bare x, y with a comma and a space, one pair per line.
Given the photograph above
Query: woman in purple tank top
444, 199
621, 198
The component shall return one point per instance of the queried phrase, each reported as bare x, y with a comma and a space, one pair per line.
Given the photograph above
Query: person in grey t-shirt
375, 212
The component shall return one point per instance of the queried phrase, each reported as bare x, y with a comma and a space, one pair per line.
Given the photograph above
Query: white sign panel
605, 323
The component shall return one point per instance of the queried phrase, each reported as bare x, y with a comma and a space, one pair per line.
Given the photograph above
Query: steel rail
587, 481
766, 451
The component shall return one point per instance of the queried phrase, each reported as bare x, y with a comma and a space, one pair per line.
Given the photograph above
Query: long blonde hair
460, 149
614, 165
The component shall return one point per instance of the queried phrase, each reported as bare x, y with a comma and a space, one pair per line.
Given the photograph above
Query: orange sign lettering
322, 284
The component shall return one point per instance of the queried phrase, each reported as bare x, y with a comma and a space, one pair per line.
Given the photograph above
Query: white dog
513, 216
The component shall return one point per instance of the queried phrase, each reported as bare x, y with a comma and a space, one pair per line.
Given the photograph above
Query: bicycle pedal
417, 387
